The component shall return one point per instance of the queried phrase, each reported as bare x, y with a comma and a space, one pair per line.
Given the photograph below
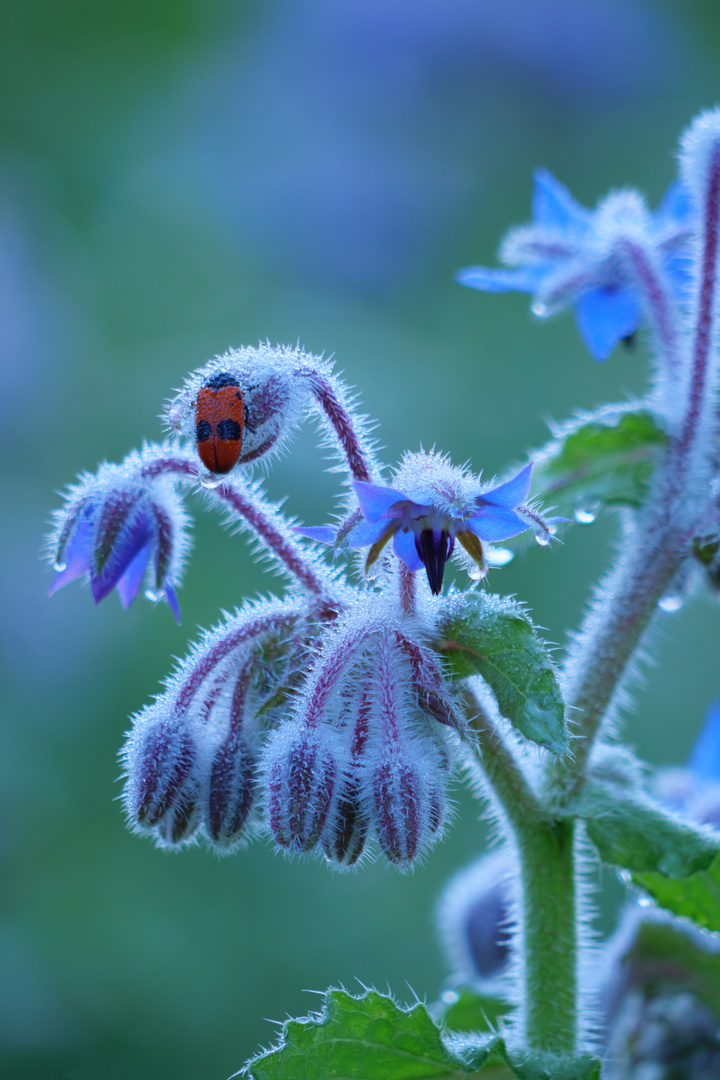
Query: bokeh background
180, 176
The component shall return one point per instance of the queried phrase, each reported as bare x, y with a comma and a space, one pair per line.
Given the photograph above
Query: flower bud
474, 917
161, 768
229, 791
122, 528
301, 774
346, 828
409, 807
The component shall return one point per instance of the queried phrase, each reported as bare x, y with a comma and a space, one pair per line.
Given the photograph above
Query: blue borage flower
121, 529
569, 255
433, 505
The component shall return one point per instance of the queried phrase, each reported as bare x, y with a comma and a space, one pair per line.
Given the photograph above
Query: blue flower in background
569, 255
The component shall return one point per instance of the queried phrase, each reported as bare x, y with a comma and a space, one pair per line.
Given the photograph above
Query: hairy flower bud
474, 919
122, 527
230, 791
301, 774
161, 790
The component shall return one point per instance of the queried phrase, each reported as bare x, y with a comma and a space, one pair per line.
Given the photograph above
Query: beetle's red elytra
219, 423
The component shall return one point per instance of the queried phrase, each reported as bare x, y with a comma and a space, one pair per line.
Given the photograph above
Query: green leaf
664, 955
365, 1038
491, 636
696, 897
632, 832
605, 459
373, 1038
468, 1010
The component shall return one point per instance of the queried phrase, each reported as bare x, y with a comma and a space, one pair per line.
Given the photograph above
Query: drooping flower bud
122, 527
244, 406
408, 775
301, 768
161, 766
474, 918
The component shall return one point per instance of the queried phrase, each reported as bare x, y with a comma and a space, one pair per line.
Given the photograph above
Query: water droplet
450, 996
670, 603
539, 309
645, 901
499, 556
210, 481
585, 515
59, 566
542, 538
625, 876
155, 595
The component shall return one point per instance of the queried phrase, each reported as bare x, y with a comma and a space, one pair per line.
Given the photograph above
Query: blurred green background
180, 176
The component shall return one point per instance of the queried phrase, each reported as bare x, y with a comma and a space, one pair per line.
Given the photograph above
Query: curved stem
341, 422
262, 518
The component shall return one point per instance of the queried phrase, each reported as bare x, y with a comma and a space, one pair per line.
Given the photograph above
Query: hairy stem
549, 924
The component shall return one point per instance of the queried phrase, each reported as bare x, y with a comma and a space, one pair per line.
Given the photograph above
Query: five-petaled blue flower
434, 505
570, 255
121, 532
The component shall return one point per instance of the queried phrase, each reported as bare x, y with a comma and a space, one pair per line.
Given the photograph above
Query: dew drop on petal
59, 566
542, 538
670, 603
585, 515
499, 556
539, 309
211, 481
155, 595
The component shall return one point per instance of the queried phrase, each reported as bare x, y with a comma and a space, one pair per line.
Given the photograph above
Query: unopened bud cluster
240, 740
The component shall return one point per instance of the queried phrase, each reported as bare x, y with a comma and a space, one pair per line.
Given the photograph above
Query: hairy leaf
373, 1038
664, 955
696, 897
606, 459
466, 1009
482, 634
634, 833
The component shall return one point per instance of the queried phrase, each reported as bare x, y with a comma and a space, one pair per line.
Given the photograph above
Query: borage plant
333, 717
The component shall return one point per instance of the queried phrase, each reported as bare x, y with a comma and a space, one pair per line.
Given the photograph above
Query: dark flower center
434, 548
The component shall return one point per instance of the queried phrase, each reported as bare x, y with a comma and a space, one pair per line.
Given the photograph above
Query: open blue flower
569, 255
436, 505
121, 534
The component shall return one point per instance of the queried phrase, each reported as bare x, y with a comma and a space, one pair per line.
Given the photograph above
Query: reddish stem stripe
218, 652
329, 673
657, 300
169, 465
286, 552
706, 306
341, 422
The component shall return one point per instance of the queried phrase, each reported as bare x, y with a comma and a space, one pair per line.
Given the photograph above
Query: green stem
549, 935
549, 925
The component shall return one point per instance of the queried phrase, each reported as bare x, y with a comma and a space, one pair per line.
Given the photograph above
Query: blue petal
524, 279
128, 585
127, 546
172, 600
676, 205
368, 533
77, 555
704, 757
679, 267
404, 544
376, 500
605, 316
511, 494
493, 524
553, 205
326, 534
